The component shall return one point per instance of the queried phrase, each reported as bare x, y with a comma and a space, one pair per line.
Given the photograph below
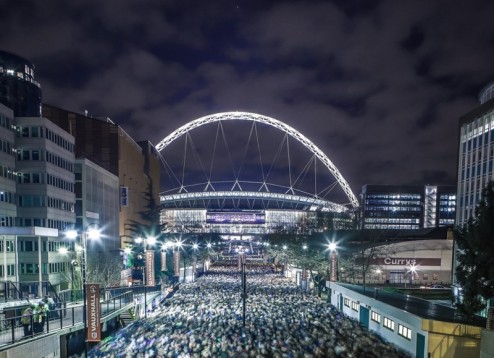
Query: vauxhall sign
93, 313
150, 279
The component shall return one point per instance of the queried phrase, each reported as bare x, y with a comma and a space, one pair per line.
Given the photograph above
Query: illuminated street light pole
305, 283
241, 252
284, 273
73, 262
195, 249
92, 232
412, 270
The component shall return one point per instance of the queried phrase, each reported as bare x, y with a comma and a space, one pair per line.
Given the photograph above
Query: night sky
379, 86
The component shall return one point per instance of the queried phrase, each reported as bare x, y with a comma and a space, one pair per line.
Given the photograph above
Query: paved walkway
204, 319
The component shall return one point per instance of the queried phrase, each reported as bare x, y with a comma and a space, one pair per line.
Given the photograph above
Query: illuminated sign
124, 196
150, 280
163, 261
93, 313
333, 268
403, 261
176, 263
239, 217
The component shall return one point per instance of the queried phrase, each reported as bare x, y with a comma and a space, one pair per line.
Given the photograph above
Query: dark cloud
378, 85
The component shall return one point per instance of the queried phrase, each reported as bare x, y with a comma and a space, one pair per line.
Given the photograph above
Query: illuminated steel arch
253, 117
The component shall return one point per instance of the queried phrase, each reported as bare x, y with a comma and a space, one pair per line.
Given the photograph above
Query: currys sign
404, 261
93, 313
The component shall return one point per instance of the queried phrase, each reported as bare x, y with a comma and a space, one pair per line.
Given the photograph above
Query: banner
93, 316
176, 263
150, 280
405, 261
334, 267
124, 196
163, 260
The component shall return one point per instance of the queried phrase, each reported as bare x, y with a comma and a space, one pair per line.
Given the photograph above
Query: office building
97, 193
475, 154
18, 89
409, 207
136, 164
475, 158
37, 199
59, 172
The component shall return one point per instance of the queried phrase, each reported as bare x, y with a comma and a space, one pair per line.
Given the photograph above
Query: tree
149, 223
312, 258
475, 255
148, 226
366, 249
104, 268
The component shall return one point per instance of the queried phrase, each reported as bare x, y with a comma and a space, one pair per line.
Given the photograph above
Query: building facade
45, 191
417, 262
475, 154
18, 89
37, 200
137, 165
475, 159
252, 222
409, 207
97, 195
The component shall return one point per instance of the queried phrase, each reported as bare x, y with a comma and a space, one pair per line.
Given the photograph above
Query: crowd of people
34, 316
205, 319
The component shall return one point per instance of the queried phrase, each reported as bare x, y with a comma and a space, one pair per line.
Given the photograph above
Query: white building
37, 199
417, 262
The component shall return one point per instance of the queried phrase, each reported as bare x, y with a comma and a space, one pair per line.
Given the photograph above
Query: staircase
127, 317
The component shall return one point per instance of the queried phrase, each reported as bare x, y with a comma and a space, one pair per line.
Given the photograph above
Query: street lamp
92, 232
241, 252
73, 262
284, 273
305, 278
412, 270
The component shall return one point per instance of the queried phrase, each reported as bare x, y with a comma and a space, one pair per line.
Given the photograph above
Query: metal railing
63, 316
11, 290
107, 293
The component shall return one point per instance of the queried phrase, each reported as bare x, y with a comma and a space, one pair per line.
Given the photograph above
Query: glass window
376, 317
405, 332
29, 268
390, 324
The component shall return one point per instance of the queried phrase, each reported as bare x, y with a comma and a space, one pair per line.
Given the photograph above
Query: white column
4, 259
40, 275
16, 253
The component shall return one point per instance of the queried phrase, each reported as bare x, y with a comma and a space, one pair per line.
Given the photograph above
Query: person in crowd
50, 302
27, 321
40, 314
204, 319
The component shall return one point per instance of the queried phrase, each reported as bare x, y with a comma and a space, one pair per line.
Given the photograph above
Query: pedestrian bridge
63, 331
